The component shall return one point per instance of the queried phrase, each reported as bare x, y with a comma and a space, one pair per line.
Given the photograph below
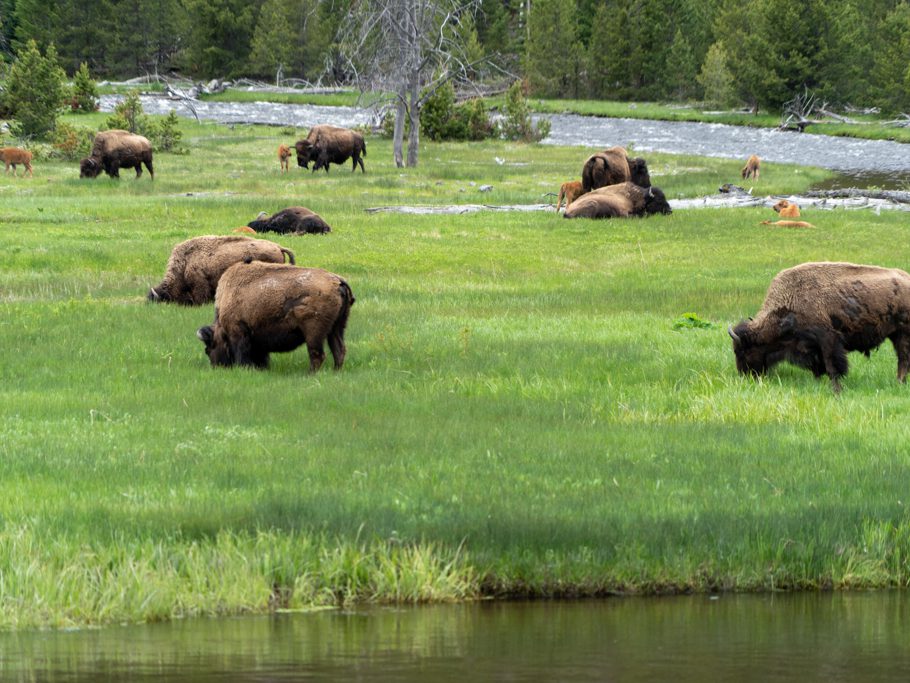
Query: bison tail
346, 294
364, 145
290, 255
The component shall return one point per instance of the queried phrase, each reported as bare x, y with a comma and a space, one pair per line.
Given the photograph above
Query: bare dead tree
407, 48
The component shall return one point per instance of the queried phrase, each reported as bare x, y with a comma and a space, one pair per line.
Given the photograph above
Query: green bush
516, 123
71, 142
442, 119
85, 91
128, 115
35, 91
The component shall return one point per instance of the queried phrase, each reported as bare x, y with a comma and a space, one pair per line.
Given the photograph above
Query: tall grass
518, 414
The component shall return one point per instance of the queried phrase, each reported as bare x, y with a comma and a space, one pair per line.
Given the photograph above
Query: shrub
71, 142
85, 91
128, 115
35, 91
164, 134
442, 119
516, 123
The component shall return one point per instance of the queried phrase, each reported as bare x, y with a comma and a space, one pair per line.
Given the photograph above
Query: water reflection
742, 638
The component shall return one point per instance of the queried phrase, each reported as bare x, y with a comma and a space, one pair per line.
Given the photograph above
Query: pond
879, 163
778, 637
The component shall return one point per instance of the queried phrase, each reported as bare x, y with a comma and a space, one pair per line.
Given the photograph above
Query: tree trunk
398, 135
414, 119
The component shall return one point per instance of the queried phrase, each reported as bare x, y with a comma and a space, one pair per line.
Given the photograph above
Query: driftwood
898, 196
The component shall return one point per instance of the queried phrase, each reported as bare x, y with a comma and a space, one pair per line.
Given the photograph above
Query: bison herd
812, 316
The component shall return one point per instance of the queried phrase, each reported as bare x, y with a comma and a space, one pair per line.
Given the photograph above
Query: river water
800, 638
881, 159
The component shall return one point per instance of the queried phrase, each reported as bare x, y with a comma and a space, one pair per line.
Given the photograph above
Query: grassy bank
519, 413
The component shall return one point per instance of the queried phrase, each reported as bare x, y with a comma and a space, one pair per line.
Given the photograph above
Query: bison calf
295, 220
619, 201
16, 155
814, 313
263, 308
571, 191
752, 168
196, 266
284, 153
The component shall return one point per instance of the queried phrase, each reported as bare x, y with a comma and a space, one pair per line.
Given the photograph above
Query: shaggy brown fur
284, 153
295, 220
116, 149
16, 155
196, 265
606, 168
263, 308
752, 167
786, 209
619, 201
331, 145
814, 313
571, 191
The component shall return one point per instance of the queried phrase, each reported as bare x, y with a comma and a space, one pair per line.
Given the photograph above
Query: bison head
306, 152
757, 353
656, 201
89, 168
218, 351
638, 169
751, 358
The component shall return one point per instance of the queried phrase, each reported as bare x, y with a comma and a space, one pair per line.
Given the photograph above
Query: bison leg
139, 170
317, 355
337, 347
835, 358
148, 165
902, 348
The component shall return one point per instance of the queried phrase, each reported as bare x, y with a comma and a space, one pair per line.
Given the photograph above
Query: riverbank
530, 406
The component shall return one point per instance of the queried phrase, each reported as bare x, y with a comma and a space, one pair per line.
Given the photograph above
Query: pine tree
680, 69
715, 78
552, 54
274, 40
891, 73
85, 91
35, 91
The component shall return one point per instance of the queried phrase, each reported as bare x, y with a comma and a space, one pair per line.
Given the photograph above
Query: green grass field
520, 413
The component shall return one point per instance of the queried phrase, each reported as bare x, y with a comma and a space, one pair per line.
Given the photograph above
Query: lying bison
326, 145
611, 167
815, 313
619, 201
196, 265
116, 149
295, 220
263, 308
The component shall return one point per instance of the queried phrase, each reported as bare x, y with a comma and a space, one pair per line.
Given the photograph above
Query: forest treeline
756, 53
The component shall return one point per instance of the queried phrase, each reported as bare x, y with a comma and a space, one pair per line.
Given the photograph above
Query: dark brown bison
196, 265
752, 169
611, 167
116, 149
263, 308
815, 313
326, 145
619, 201
295, 220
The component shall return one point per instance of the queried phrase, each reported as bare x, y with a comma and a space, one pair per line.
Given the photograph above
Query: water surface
779, 638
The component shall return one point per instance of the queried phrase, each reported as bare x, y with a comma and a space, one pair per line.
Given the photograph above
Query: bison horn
733, 335
650, 191
155, 295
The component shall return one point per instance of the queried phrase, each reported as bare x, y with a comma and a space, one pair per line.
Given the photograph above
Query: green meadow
530, 406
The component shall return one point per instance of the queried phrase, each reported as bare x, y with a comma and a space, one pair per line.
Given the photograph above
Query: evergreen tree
715, 78
680, 69
609, 66
218, 37
891, 70
85, 91
35, 91
552, 55
274, 41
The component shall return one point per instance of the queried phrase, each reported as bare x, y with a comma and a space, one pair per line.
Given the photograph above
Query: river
800, 638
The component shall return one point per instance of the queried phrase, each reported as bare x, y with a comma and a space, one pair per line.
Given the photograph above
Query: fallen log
898, 196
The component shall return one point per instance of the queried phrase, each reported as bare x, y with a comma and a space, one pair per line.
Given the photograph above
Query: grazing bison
814, 313
752, 168
284, 153
331, 144
196, 265
619, 201
295, 220
571, 190
611, 167
116, 149
16, 155
263, 308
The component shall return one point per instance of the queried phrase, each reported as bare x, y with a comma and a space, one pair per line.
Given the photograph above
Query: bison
196, 265
263, 308
331, 144
571, 191
752, 168
815, 313
611, 167
116, 149
284, 153
619, 201
295, 220
786, 209
16, 155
